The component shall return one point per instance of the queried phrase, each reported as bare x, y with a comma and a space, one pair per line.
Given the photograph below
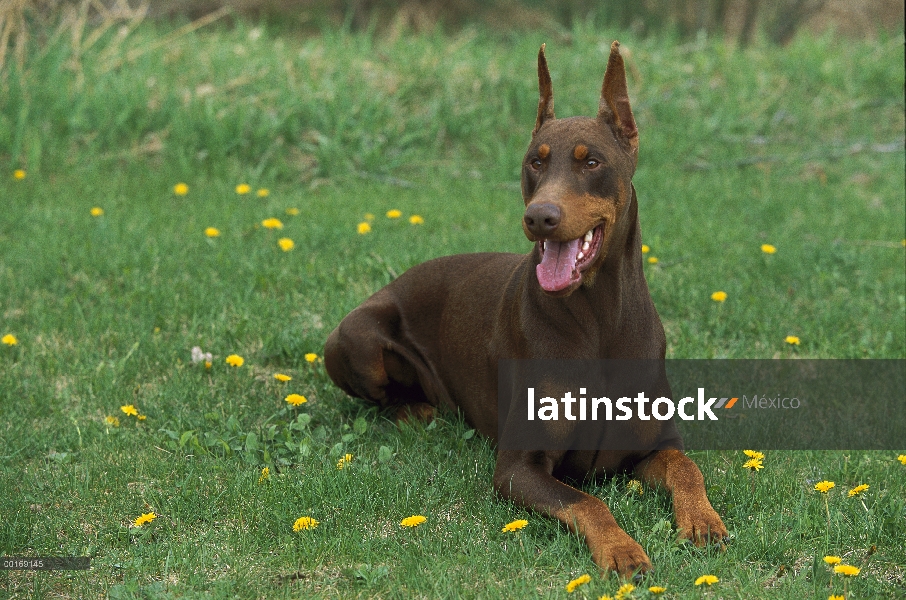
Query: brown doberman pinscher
434, 336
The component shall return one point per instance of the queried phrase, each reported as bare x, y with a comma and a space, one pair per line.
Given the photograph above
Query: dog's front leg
695, 517
526, 478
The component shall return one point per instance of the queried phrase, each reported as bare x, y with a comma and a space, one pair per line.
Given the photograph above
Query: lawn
800, 148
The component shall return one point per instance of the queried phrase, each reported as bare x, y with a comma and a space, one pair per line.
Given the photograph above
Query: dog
434, 336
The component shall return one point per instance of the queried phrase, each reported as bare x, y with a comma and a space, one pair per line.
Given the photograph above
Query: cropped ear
613, 108
546, 91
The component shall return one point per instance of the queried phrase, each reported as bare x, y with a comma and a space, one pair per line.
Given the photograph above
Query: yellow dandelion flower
413, 521
515, 525
9, 339
144, 518
234, 360
833, 597
180, 189
848, 570
857, 490
369, 217
634, 485
19, 174
824, 486
296, 399
605, 597
581, 580
754, 454
303, 523
265, 475
272, 223
112, 421
720, 296
652, 260
311, 357
363, 228
624, 591
282, 377
129, 410
97, 211
792, 340
212, 232
243, 188
646, 249
207, 364
344, 460
141, 417
416, 220
263, 192
832, 560
657, 589
768, 249
286, 244
901, 458
394, 214
753, 464
292, 211
707, 580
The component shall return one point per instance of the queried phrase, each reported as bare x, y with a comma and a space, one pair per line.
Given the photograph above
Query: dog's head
577, 181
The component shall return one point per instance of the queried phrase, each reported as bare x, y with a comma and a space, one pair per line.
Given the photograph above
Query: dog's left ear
613, 107
545, 92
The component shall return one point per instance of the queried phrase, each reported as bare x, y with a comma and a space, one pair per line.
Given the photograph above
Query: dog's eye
591, 163
536, 164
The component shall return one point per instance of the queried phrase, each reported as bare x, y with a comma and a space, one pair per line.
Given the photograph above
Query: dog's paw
701, 526
622, 554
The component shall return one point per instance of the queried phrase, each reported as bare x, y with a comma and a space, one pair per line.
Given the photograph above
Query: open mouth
562, 263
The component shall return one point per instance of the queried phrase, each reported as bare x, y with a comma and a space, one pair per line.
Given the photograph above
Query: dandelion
344, 460
10, 340
634, 485
753, 464
848, 570
112, 421
652, 260
263, 193
141, 417
832, 560
144, 518
97, 211
824, 486
901, 458
292, 211
212, 232
265, 475
272, 223
581, 580
719, 296
282, 377
234, 360
129, 410
754, 454
605, 597
296, 399
180, 189
857, 490
645, 249
657, 589
768, 249
243, 188
707, 580
304, 523
369, 217
624, 591
363, 228
394, 214
832, 597
311, 357
413, 521
416, 220
19, 174
514, 525
791, 340
286, 244
199, 356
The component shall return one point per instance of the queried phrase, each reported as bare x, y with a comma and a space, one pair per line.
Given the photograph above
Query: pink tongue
556, 269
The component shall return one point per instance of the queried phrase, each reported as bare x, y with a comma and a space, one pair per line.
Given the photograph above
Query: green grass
799, 147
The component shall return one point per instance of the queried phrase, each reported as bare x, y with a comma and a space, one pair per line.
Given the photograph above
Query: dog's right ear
546, 90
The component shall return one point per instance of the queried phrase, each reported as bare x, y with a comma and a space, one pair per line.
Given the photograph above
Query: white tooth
585, 246
544, 245
580, 256
589, 235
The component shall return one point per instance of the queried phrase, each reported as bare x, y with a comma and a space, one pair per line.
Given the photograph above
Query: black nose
542, 219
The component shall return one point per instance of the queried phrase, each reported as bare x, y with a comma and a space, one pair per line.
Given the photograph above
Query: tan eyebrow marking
580, 152
543, 150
